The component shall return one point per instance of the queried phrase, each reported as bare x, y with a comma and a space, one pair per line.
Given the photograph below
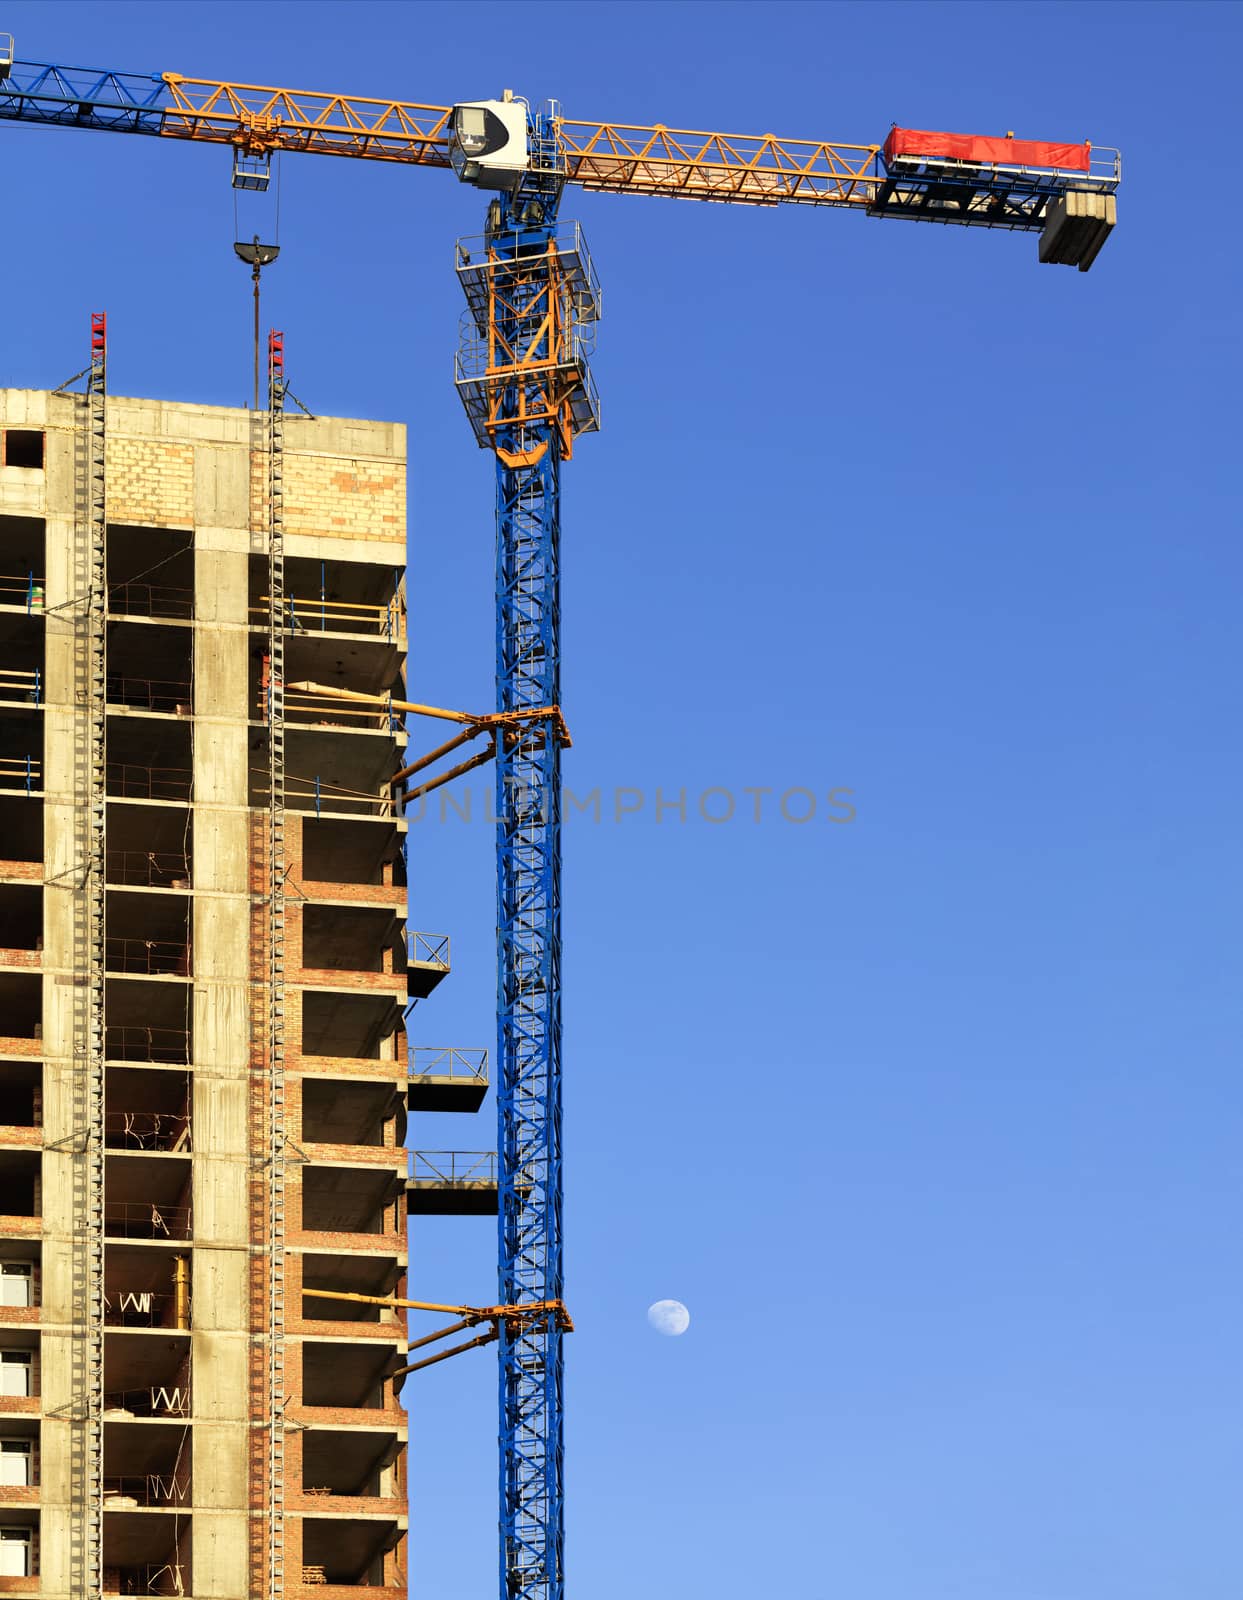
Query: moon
669, 1317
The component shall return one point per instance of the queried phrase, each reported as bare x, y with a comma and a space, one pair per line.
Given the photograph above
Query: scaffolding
90, 684
275, 1520
268, 1053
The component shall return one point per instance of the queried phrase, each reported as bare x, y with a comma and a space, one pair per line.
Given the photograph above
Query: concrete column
222, 1032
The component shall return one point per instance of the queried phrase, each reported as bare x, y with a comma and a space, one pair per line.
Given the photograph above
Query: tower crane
523, 375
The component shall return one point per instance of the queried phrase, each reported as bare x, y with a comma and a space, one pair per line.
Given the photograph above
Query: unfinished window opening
21, 829
349, 1462
22, 563
346, 1375
352, 939
21, 1094
151, 572
348, 1200
23, 447
146, 1377
21, 916
360, 853
350, 1274
337, 1111
20, 1184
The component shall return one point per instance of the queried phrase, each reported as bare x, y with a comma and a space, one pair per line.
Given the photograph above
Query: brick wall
346, 499
150, 481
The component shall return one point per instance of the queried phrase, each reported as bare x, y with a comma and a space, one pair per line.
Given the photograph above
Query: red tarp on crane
984, 151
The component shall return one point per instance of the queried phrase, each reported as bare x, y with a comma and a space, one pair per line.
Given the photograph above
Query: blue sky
931, 1118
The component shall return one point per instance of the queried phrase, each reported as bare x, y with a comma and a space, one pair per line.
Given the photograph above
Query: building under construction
205, 973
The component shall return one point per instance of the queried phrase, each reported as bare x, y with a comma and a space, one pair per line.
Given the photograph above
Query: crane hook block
488, 143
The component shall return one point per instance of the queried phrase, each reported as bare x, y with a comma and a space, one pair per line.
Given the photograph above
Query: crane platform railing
1104, 172
479, 268
427, 949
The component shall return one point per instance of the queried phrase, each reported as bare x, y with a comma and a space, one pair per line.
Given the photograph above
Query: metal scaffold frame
268, 1130
276, 971
90, 738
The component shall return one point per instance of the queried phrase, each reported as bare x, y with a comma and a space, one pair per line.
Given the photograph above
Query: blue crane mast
522, 373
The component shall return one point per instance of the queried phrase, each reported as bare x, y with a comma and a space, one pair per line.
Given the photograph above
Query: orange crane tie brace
504, 723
